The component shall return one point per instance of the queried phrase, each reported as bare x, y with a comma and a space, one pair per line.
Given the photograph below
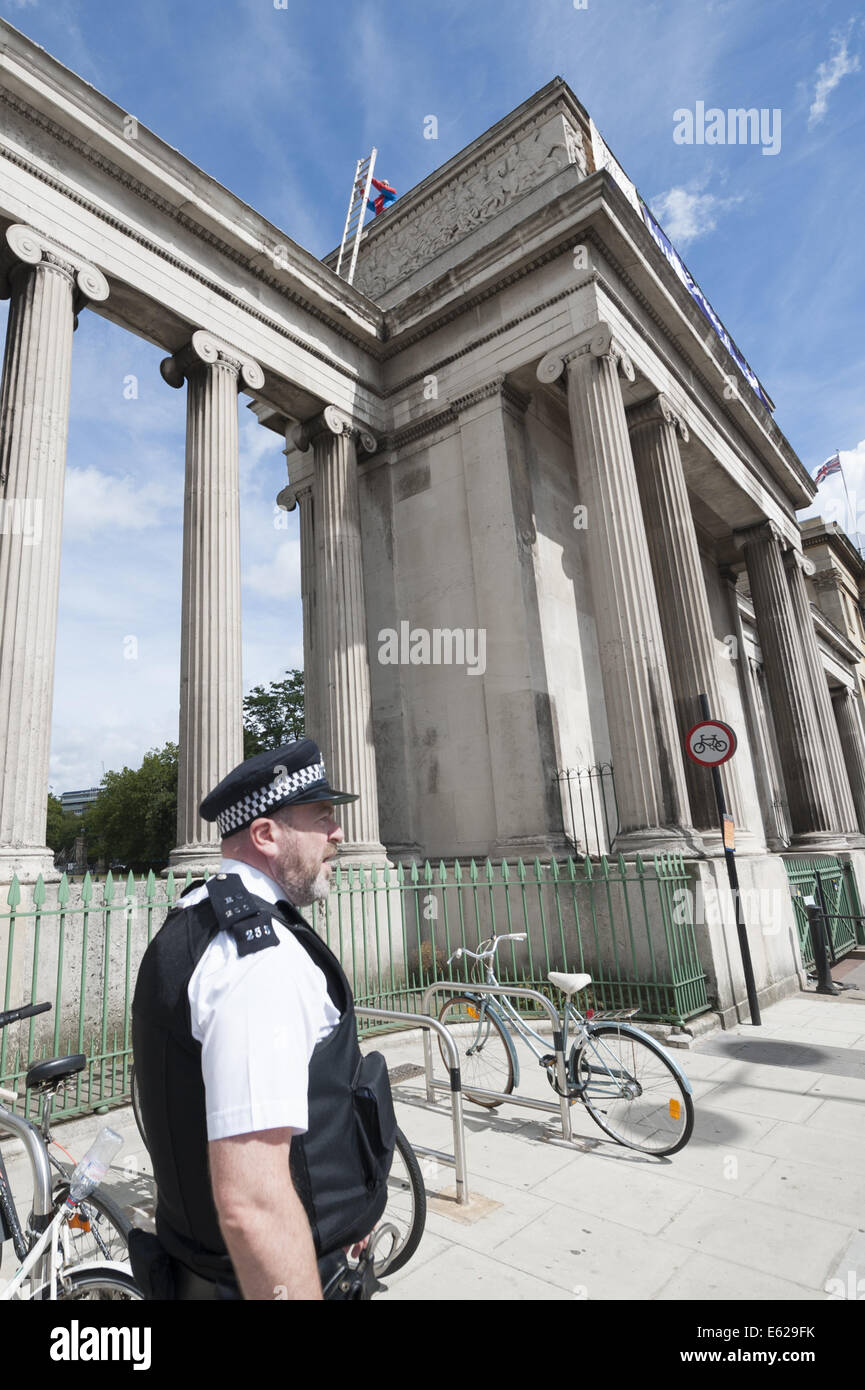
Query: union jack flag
832, 465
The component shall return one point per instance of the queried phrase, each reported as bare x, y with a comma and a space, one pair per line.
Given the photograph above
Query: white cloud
95, 500
829, 74
834, 501
277, 577
686, 215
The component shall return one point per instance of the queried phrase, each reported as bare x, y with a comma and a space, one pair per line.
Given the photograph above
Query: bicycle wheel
484, 1048
98, 1285
100, 1228
632, 1089
406, 1207
136, 1105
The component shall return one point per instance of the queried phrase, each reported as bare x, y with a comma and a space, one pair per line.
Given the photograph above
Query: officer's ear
260, 833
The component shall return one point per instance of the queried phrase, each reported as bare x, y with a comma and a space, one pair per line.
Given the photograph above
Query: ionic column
797, 566
211, 683
682, 601
809, 791
47, 288
647, 758
848, 717
762, 759
291, 497
343, 707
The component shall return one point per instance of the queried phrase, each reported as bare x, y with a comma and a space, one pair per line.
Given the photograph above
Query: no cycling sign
710, 743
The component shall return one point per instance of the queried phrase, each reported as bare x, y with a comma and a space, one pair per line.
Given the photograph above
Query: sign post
709, 744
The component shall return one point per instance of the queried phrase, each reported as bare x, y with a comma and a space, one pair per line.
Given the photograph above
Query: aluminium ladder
354, 219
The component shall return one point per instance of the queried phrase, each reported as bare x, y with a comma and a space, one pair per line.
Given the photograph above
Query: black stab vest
339, 1167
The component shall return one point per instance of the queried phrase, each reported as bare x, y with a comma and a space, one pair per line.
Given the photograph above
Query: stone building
530, 475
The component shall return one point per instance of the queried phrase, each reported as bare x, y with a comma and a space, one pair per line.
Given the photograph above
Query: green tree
134, 818
62, 827
274, 715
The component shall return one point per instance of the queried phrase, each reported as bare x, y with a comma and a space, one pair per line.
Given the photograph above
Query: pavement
767, 1201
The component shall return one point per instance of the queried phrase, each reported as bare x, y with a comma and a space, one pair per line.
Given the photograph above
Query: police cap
289, 776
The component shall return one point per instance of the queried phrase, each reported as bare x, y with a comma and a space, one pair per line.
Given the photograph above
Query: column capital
599, 340
765, 531
206, 350
336, 422
27, 247
829, 579
797, 558
292, 494
657, 409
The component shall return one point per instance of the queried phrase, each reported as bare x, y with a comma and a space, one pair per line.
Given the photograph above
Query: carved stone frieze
476, 194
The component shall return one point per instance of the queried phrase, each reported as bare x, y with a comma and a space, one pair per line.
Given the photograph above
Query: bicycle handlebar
26, 1011
482, 955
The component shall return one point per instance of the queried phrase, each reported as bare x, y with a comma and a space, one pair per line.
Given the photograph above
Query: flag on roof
832, 465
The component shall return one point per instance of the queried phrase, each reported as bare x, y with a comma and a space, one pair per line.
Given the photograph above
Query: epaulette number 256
257, 936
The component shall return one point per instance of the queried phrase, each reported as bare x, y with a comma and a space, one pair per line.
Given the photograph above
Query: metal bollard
825, 983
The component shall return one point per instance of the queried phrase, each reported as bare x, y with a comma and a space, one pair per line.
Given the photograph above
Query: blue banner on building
678, 265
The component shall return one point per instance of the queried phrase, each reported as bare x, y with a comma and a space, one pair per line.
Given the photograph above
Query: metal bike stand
458, 1157
513, 992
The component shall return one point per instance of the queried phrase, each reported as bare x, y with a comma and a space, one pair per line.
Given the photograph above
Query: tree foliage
63, 827
134, 818
274, 715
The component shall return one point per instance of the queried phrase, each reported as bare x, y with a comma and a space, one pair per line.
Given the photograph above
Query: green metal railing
393, 929
615, 920
843, 911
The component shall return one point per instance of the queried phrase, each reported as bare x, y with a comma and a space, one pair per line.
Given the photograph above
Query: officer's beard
302, 885
306, 889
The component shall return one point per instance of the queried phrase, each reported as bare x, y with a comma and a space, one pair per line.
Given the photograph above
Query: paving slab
759, 1236
705, 1277
592, 1257
466, 1276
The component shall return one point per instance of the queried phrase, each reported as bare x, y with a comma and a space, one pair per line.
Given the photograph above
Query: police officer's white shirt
258, 1018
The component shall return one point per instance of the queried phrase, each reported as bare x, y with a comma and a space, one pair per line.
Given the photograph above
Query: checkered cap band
259, 802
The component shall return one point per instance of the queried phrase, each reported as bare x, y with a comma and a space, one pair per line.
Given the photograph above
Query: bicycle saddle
569, 984
56, 1069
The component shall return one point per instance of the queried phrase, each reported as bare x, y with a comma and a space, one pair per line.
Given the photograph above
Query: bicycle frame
45, 1253
37, 1153
609, 1076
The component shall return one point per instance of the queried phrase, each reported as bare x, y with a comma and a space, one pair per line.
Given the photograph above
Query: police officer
271, 1137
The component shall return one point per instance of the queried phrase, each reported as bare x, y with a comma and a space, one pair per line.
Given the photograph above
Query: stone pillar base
531, 847
746, 843
368, 852
27, 863
824, 842
193, 859
659, 839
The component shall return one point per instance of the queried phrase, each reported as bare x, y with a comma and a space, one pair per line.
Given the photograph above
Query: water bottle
91, 1169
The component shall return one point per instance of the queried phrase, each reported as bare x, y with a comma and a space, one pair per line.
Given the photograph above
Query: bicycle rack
458, 1157
513, 992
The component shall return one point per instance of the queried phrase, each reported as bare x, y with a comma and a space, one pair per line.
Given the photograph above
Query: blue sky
278, 103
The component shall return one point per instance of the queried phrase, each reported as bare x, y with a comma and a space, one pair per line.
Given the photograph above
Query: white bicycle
59, 1226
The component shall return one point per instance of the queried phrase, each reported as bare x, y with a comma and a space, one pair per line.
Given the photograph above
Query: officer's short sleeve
258, 1018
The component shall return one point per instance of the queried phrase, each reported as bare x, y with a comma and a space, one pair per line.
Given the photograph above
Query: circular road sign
710, 743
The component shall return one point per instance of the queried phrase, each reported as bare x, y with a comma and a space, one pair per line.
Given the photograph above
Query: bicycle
406, 1203
713, 741
92, 1234
631, 1088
